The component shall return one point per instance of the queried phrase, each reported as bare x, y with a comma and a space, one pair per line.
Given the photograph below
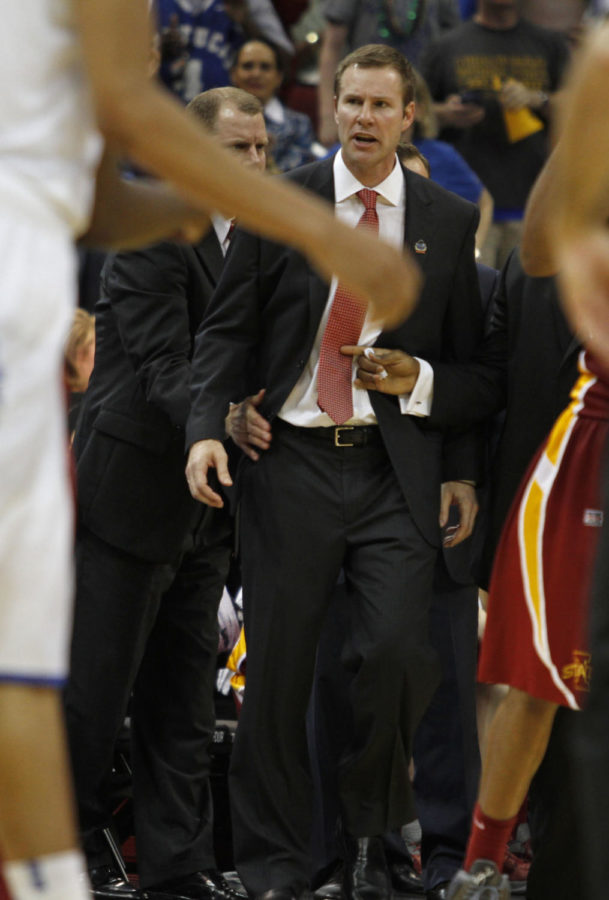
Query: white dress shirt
275, 110
222, 228
300, 408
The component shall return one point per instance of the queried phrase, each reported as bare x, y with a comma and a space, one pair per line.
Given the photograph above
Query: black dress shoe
332, 888
208, 885
404, 879
439, 892
108, 884
366, 872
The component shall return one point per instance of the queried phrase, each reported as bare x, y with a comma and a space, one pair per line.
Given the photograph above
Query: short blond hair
81, 333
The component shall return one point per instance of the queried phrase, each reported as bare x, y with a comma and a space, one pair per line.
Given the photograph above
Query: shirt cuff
418, 403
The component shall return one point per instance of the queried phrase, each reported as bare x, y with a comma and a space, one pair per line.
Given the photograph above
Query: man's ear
408, 119
336, 109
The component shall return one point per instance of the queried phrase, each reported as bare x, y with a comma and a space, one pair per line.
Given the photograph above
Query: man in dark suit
151, 564
356, 487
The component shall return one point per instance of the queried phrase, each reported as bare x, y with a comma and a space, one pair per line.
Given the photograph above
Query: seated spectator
199, 40
258, 69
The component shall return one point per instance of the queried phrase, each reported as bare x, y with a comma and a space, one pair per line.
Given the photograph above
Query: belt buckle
337, 433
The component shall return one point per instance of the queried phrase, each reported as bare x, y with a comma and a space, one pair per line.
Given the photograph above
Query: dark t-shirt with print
474, 61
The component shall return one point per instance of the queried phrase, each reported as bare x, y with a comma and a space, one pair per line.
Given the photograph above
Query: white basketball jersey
48, 143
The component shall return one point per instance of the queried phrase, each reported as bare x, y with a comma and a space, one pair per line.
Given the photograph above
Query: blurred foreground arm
127, 214
139, 118
580, 220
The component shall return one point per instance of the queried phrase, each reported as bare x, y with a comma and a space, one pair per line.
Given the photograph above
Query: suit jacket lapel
209, 253
419, 220
419, 231
573, 349
569, 343
322, 183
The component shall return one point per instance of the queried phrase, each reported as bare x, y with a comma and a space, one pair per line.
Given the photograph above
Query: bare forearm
485, 205
154, 131
141, 120
128, 214
583, 165
537, 246
148, 125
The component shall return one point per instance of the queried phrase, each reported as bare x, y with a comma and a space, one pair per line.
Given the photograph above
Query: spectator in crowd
258, 69
493, 80
199, 39
144, 545
559, 15
351, 23
447, 165
291, 561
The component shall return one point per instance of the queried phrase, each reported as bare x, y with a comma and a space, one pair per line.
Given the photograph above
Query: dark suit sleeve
468, 393
489, 369
225, 342
463, 393
147, 291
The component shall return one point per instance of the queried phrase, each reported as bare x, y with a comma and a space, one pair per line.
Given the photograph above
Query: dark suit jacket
541, 354
266, 310
459, 559
129, 442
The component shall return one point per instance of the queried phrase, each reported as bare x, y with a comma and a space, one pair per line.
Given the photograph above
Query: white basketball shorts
37, 288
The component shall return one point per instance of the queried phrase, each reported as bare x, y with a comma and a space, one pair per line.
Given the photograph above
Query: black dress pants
446, 753
447, 759
309, 509
151, 629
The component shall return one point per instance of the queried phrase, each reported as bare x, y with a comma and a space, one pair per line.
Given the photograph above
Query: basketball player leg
37, 831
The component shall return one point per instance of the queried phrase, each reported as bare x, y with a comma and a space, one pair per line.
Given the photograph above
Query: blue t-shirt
449, 169
211, 39
467, 8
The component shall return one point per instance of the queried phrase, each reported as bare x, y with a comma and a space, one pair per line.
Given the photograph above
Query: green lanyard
402, 23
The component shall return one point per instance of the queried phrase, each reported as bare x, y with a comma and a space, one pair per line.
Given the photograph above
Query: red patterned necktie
334, 388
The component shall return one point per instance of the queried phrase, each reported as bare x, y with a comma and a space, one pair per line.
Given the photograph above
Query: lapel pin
420, 247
